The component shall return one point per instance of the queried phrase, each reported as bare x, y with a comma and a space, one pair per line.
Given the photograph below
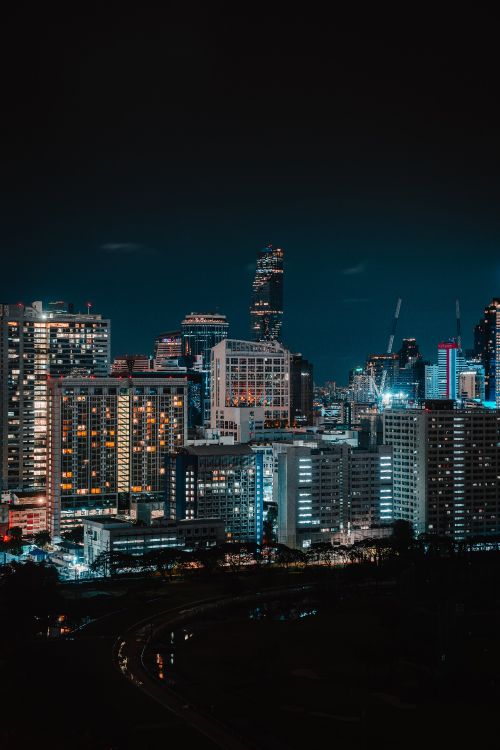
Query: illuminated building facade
108, 438
487, 348
450, 364
34, 345
266, 312
27, 512
446, 467
129, 364
168, 346
330, 492
116, 535
250, 375
218, 481
201, 332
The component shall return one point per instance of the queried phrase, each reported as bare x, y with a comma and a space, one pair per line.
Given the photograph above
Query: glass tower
201, 332
266, 312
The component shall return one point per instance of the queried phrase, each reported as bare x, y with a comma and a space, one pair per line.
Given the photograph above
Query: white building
250, 384
331, 492
116, 535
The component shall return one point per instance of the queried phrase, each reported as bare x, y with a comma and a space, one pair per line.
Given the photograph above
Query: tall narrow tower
266, 312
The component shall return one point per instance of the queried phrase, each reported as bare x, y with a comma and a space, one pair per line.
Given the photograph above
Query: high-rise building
36, 345
131, 364
266, 312
327, 492
471, 382
168, 346
431, 381
218, 481
450, 364
201, 332
409, 352
487, 348
108, 438
446, 464
253, 376
301, 391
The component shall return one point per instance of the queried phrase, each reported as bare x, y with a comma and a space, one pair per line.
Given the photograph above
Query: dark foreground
398, 657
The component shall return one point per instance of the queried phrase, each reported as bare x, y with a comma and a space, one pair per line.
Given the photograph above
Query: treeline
401, 547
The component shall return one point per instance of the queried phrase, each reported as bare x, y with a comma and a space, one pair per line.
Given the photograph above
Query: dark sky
145, 161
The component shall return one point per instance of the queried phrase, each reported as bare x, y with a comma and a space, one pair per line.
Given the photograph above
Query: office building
450, 363
252, 376
200, 333
409, 352
115, 535
266, 312
331, 492
301, 391
35, 345
471, 382
218, 481
487, 348
168, 346
446, 464
27, 512
431, 381
131, 364
108, 438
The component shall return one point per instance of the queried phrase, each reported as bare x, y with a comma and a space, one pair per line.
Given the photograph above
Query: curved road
129, 657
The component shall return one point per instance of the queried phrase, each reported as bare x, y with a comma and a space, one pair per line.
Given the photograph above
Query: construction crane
390, 343
459, 331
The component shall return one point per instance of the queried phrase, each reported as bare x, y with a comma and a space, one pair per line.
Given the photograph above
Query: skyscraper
487, 347
201, 332
108, 438
34, 345
168, 345
252, 376
266, 312
446, 464
450, 364
301, 391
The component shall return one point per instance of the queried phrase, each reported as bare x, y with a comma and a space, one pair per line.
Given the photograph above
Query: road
130, 650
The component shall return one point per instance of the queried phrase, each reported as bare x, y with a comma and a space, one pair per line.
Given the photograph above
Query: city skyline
428, 341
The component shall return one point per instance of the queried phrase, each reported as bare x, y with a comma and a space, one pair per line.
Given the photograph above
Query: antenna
390, 343
459, 327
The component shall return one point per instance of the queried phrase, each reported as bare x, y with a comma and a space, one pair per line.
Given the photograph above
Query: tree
42, 538
270, 525
210, 558
402, 539
15, 540
112, 563
74, 535
287, 556
163, 561
323, 552
28, 593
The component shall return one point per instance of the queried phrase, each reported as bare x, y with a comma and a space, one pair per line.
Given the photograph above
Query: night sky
145, 161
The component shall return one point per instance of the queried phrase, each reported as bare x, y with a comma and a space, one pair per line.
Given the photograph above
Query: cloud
354, 270
127, 248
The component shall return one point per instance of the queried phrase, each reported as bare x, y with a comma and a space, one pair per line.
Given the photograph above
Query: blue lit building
218, 481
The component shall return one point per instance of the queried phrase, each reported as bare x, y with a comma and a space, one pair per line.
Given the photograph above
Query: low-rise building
117, 535
27, 512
